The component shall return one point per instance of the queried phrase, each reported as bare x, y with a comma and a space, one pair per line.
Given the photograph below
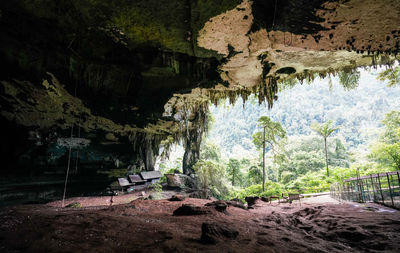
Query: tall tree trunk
233, 179
263, 185
326, 158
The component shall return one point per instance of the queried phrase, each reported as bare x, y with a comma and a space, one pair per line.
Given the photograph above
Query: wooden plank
150, 174
123, 182
135, 178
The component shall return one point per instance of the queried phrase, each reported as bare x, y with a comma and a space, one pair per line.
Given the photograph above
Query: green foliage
355, 111
310, 182
273, 136
274, 133
391, 130
254, 176
392, 75
325, 131
212, 177
74, 205
271, 189
349, 79
387, 151
210, 151
233, 169
387, 154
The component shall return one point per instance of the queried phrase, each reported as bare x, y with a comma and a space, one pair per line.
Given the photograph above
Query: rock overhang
147, 67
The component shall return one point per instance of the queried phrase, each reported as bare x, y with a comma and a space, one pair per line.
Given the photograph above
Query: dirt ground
318, 224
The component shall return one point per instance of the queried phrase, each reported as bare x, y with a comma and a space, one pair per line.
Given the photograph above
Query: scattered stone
219, 205
212, 232
188, 209
251, 200
177, 197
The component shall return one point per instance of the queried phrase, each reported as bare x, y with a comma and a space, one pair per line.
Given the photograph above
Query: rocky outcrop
134, 77
212, 232
188, 209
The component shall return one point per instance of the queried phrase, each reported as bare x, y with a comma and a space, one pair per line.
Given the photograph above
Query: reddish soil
318, 225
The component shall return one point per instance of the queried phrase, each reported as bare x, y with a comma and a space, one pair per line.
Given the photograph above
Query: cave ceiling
139, 71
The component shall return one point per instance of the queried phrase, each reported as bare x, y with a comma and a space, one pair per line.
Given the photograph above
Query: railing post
373, 188
398, 178
380, 188
390, 189
369, 195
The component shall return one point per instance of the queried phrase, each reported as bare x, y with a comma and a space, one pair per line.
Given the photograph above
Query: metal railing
383, 188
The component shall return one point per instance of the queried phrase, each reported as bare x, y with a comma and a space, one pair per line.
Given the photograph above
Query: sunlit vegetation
309, 140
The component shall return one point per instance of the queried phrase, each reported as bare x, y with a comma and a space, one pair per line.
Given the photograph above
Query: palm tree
325, 131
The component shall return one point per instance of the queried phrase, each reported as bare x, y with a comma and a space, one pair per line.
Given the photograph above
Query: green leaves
274, 133
392, 75
349, 79
324, 130
233, 169
387, 151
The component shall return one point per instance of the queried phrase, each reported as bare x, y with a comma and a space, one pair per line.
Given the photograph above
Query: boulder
182, 181
177, 197
188, 209
219, 205
212, 232
251, 200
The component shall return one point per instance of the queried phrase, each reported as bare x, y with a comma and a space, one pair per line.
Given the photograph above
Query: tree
233, 169
387, 154
254, 175
210, 151
349, 79
212, 177
387, 150
392, 75
392, 124
272, 135
325, 131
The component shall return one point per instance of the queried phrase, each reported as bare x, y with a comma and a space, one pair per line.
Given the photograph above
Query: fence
383, 188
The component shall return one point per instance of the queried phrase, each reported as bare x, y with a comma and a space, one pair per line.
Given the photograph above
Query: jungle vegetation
316, 134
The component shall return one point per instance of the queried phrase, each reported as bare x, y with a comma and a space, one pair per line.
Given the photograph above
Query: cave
93, 90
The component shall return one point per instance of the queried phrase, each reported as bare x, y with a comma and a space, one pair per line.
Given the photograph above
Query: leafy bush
271, 189
212, 177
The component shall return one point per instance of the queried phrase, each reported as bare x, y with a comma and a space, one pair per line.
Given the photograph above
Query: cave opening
191, 125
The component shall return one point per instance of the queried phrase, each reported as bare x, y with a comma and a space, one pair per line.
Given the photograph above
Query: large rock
177, 197
213, 232
182, 181
251, 200
188, 209
219, 205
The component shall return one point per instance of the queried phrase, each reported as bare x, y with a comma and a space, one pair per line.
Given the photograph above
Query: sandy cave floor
319, 224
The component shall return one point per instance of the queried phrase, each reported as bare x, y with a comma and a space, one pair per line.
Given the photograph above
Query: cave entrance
359, 106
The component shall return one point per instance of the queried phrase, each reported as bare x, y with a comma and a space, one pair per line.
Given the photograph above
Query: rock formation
133, 77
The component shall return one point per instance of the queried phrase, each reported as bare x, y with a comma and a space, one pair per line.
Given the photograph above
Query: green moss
74, 205
169, 24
